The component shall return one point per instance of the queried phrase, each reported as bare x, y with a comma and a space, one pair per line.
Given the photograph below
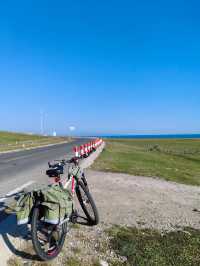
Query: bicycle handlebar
73, 160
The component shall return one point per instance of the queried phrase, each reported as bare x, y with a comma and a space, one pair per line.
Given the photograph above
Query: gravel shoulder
144, 202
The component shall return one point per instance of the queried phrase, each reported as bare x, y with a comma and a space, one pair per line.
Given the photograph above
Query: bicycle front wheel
87, 203
47, 239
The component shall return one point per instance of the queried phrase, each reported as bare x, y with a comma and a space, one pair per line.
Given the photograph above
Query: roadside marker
86, 149
82, 150
76, 151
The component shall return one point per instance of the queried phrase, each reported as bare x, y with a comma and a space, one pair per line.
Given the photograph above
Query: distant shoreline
153, 136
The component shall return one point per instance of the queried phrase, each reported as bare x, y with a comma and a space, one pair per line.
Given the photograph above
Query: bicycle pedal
74, 217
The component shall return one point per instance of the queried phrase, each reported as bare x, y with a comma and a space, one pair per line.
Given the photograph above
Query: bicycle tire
45, 256
92, 219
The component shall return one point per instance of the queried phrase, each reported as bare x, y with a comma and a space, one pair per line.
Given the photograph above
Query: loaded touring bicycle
51, 210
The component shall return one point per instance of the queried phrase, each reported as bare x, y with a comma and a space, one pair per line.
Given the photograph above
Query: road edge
35, 148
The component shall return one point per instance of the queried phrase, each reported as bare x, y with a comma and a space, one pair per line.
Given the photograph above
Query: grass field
149, 247
12, 141
171, 159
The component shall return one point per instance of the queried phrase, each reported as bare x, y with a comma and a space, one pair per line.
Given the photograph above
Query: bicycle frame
70, 181
65, 183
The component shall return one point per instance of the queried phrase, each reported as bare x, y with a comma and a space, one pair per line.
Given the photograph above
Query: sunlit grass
150, 247
12, 141
171, 159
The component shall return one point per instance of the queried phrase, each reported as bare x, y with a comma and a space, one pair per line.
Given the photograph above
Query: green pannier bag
57, 204
23, 208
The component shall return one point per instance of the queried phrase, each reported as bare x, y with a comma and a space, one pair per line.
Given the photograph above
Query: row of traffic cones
85, 150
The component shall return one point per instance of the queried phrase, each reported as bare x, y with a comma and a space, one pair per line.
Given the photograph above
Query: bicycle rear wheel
87, 203
47, 239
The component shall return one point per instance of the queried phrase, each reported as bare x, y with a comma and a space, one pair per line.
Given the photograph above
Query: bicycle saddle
55, 171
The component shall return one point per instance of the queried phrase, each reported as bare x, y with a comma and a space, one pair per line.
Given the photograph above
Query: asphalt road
18, 169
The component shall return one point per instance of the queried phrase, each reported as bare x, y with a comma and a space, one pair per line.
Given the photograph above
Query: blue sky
102, 66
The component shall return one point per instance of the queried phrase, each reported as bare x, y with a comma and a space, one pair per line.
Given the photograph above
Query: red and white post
82, 150
85, 149
76, 152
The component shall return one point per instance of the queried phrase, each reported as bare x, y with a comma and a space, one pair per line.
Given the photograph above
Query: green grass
11, 140
73, 261
149, 247
171, 159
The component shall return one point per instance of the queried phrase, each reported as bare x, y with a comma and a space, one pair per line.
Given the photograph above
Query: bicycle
49, 239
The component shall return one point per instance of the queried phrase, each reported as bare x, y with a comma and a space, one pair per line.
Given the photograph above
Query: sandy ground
144, 202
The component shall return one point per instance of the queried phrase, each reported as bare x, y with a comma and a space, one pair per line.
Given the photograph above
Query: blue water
156, 136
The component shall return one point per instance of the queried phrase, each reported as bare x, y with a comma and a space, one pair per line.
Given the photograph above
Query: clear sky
102, 66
